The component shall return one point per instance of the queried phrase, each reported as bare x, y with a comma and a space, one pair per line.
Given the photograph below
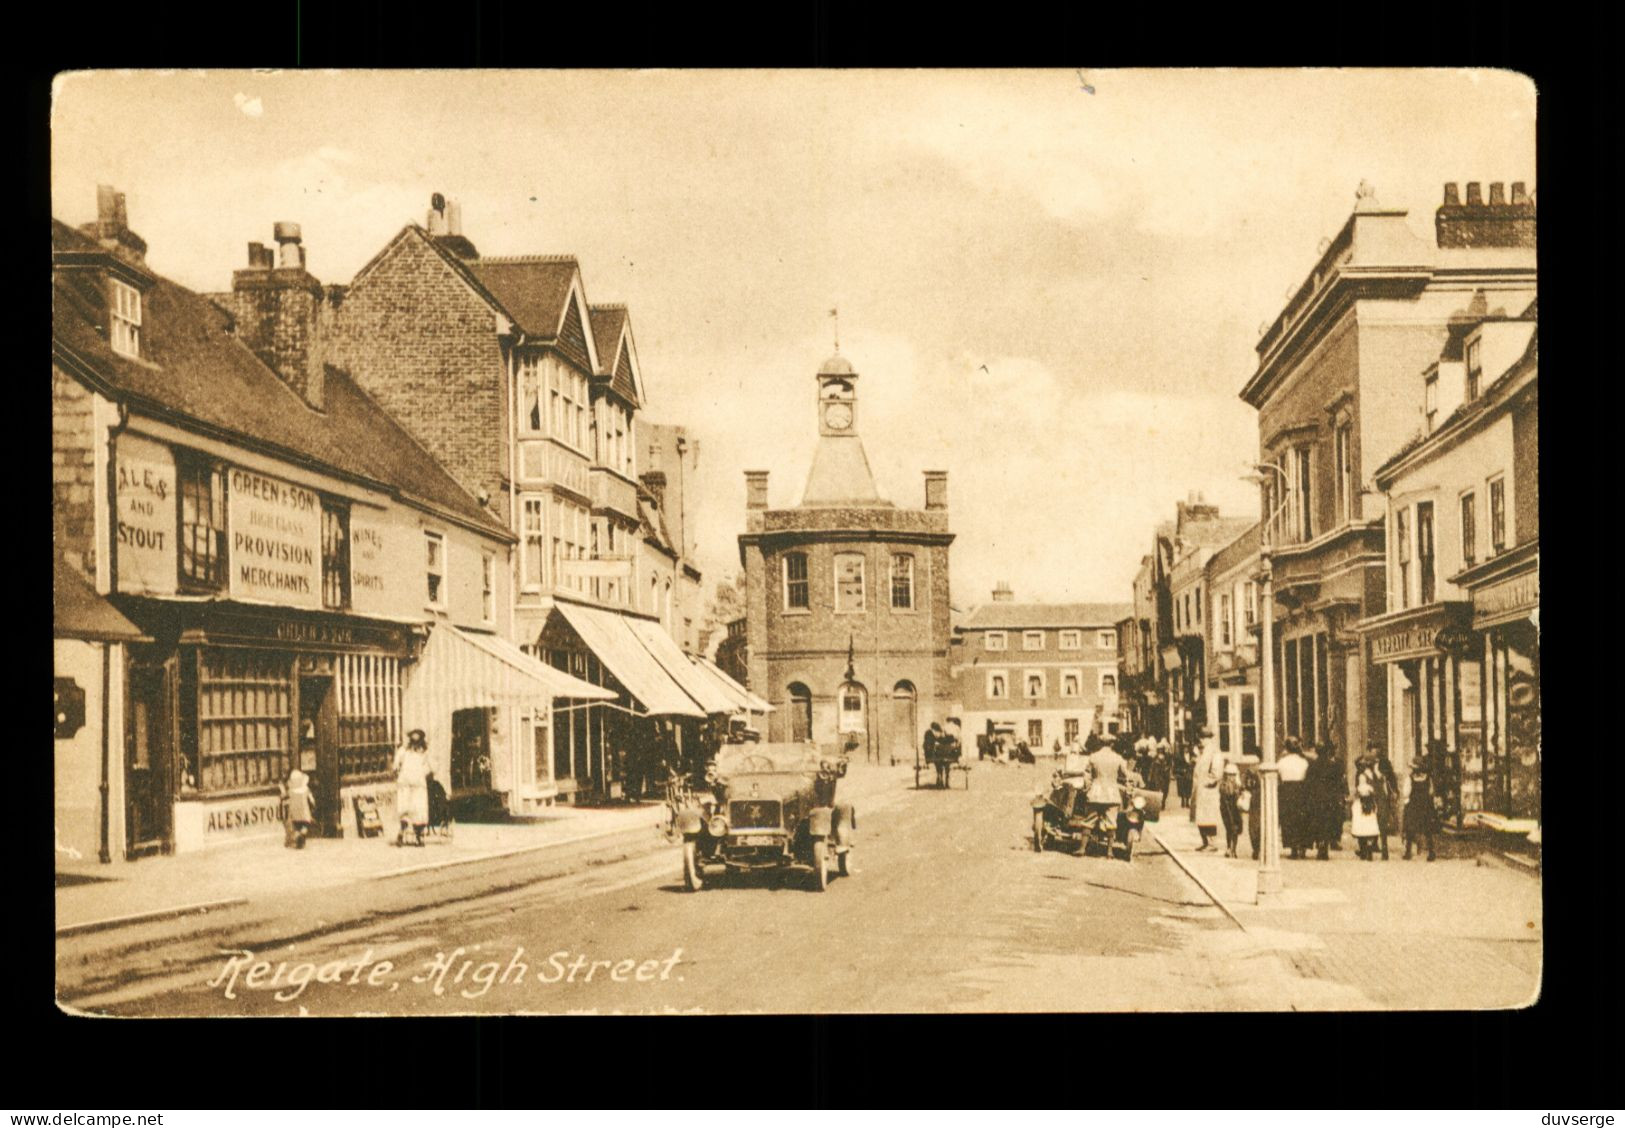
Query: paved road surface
950, 910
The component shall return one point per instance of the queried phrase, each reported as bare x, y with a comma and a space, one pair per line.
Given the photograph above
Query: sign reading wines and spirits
146, 517
276, 530
372, 558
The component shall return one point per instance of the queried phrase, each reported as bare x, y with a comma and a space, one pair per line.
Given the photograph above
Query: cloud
251, 107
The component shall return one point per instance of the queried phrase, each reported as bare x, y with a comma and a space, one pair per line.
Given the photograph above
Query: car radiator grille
748, 813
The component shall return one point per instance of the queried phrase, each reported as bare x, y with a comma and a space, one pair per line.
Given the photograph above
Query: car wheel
820, 865
1038, 831
693, 880
844, 862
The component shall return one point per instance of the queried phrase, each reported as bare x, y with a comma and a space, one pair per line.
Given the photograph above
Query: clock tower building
847, 605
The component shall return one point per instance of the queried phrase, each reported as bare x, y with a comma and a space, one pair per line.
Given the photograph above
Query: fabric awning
702, 689
611, 640
747, 700
466, 670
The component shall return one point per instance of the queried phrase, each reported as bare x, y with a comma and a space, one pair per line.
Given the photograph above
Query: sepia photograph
795, 542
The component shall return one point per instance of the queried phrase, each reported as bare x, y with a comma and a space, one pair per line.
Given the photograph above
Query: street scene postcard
795, 542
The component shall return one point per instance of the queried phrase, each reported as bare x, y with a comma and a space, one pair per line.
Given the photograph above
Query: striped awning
746, 700
467, 670
705, 691
624, 654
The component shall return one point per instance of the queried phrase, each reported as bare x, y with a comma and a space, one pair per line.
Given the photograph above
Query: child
1420, 819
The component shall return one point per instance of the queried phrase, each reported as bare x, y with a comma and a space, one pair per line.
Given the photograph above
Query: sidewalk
89, 893
1461, 932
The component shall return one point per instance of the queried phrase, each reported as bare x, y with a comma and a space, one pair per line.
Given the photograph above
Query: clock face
838, 416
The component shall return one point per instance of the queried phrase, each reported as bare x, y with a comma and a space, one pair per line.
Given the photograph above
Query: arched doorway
852, 716
902, 723
800, 712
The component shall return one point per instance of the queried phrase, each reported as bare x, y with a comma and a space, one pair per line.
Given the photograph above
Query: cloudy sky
1107, 257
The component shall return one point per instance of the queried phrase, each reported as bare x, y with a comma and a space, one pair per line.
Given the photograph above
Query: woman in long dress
1206, 775
412, 786
1365, 811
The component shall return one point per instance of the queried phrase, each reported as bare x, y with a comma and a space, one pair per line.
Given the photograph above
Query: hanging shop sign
276, 530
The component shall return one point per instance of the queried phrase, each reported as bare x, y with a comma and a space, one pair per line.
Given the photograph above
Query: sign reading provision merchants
276, 530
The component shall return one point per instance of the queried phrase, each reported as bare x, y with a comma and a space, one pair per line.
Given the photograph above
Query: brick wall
414, 335
73, 472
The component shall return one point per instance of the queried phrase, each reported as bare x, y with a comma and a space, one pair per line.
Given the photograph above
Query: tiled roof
532, 288
1016, 616
193, 367
609, 324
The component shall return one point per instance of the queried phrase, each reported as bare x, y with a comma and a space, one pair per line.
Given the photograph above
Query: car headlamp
1139, 802
718, 826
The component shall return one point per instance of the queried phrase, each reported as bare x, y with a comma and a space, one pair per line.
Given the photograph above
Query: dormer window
126, 320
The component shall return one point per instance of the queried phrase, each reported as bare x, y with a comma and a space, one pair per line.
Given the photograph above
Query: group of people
413, 779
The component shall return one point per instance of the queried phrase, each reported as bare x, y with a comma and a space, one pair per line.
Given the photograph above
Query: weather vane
835, 314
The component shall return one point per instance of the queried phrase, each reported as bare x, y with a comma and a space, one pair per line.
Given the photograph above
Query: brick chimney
1002, 592
445, 226
1498, 223
936, 489
280, 309
756, 489
112, 227
655, 482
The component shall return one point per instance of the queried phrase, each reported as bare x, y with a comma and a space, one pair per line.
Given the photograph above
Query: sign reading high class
276, 531
146, 517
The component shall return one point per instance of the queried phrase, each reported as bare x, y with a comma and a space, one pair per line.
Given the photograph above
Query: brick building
1231, 640
532, 398
1047, 669
670, 459
1335, 393
847, 613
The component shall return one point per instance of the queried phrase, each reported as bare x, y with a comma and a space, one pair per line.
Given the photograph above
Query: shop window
245, 719
125, 330
1249, 726
796, 594
202, 489
1309, 702
1223, 726
369, 713
335, 555
434, 547
1424, 551
1498, 517
902, 582
849, 594
1469, 530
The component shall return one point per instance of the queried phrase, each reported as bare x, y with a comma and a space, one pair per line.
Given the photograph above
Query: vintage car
1063, 815
771, 806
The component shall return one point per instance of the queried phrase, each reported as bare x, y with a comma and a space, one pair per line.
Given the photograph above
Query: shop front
230, 697
1505, 655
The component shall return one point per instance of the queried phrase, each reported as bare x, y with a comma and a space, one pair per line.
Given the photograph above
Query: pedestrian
1421, 820
1388, 800
928, 748
1165, 766
1230, 805
1207, 772
1056, 750
1184, 764
1251, 802
412, 787
1323, 800
1296, 824
300, 818
1366, 809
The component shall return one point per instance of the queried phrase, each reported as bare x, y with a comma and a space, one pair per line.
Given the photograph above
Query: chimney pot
1452, 196
286, 232
1475, 194
1519, 196
1497, 195
106, 204
256, 256
436, 219
936, 489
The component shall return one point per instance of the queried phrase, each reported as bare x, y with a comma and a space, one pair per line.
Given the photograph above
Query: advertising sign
276, 530
146, 517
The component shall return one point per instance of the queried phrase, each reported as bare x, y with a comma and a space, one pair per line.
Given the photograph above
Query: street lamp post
1269, 846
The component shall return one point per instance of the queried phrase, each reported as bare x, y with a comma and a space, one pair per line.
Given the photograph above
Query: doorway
147, 789
319, 752
903, 722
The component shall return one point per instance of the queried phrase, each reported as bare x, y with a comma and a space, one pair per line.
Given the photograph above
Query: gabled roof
1031, 616
195, 369
543, 296
81, 612
617, 356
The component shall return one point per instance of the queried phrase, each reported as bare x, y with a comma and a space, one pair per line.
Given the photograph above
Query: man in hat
412, 786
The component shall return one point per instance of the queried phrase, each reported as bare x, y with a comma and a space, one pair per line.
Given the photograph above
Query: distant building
1043, 668
847, 613
733, 657
670, 459
1232, 636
